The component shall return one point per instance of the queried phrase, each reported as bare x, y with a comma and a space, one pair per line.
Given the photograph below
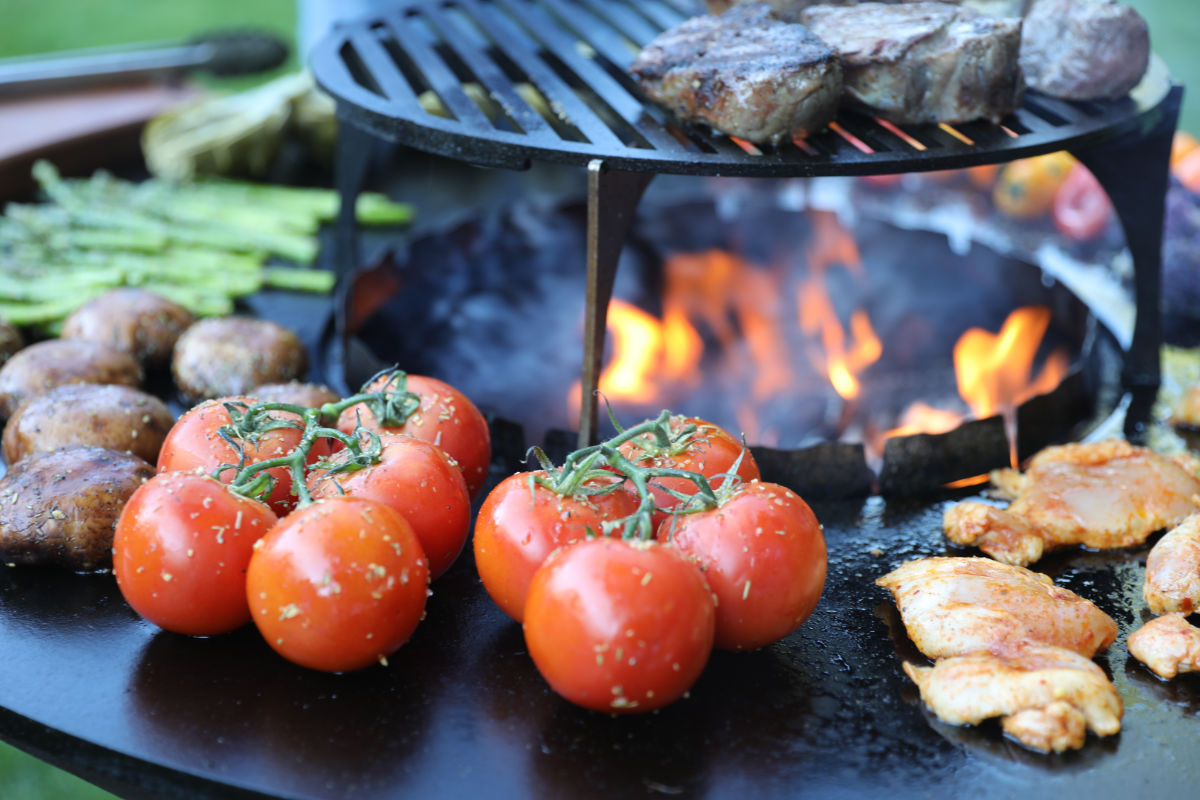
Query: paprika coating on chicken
1104, 495
1047, 697
957, 606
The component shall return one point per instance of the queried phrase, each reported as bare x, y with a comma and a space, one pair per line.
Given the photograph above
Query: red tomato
763, 554
446, 418
515, 532
193, 444
710, 450
619, 626
1182, 143
180, 552
338, 585
418, 480
1081, 208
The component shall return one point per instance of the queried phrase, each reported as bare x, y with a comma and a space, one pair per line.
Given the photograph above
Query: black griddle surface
460, 711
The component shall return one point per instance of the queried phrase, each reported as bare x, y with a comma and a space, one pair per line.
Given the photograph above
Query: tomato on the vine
338, 585
763, 553
194, 444
445, 417
180, 551
619, 626
709, 450
1081, 208
518, 527
418, 480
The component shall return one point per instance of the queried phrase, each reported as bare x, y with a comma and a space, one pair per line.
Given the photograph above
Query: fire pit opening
852, 355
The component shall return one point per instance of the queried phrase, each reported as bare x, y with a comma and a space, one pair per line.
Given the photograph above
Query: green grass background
38, 26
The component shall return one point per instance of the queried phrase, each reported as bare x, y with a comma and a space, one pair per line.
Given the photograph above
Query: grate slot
440, 77
662, 15
459, 37
633, 26
871, 134
562, 98
379, 69
564, 47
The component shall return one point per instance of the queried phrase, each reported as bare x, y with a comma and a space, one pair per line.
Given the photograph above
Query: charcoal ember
924, 62
1084, 49
744, 73
925, 462
827, 471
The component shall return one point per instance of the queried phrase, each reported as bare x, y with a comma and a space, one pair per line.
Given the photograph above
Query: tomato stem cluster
392, 404
654, 437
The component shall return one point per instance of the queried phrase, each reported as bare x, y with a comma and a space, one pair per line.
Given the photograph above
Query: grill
502, 83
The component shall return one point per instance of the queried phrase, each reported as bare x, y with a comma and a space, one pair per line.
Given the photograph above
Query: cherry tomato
446, 418
516, 530
710, 450
1081, 207
180, 552
763, 554
338, 585
418, 480
1026, 187
619, 626
193, 444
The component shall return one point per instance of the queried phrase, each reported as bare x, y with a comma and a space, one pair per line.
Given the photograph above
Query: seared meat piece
924, 62
1084, 49
956, 606
1168, 645
61, 508
1173, 570
225, 356
88, 415
140, 322
744, 73
786, 10
1104, 495
1048, 696
57, 362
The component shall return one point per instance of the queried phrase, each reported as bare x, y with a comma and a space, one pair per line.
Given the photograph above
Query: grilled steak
744, 73
786, 10
1084, 49
924, 62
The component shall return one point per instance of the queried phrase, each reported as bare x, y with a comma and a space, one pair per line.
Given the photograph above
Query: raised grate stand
502, 83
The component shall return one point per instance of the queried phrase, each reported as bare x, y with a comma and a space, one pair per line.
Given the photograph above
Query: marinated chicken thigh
1103, 495
1168, 645
1048, 697
1173, 570
957, 606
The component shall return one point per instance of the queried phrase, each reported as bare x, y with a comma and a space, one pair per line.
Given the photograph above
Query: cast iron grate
504, 82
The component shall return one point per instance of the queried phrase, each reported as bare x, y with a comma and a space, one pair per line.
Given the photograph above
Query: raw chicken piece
1173, 570
1103, 495
955, 606
1048, 696
1168, 645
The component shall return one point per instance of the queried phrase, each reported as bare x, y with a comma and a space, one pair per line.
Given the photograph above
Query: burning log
925, 462
827, 471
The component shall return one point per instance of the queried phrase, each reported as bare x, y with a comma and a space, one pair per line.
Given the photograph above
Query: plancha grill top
505, 82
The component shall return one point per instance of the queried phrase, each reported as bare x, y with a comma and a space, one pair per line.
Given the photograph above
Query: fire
842, 360
920, 417
993, 370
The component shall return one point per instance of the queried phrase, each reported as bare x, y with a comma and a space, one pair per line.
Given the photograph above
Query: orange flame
921, 417
993, 370
842, 361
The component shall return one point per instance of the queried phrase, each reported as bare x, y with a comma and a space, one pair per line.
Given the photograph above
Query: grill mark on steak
745, 73
924, 62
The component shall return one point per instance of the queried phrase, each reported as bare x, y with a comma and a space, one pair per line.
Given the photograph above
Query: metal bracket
1134, 169
613, 197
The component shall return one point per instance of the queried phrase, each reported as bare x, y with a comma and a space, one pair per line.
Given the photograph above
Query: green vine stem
392, 404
